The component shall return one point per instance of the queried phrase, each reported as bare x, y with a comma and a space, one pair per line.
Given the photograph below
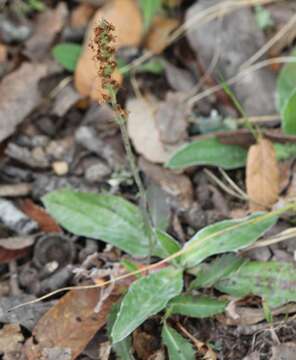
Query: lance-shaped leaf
166, 245
289, 115
146, 297
209, 274
103, 217
123, 349
208, 152
178, 347
196, 306
226, 236
273, 281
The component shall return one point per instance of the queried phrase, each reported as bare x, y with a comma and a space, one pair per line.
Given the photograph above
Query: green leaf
103, 217
196, 306
220, 267
289, 115
286, 83
178, 347
149, 9
285, 151
208, 152
153, 66
158, 205
67, 54
166, 245
263, 17
123, 349
273, 281
226, 236
146, 297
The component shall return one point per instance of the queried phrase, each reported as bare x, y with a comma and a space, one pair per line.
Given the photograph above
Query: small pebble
60, 168
97, 172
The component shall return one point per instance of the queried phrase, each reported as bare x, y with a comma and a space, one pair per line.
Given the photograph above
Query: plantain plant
212, 254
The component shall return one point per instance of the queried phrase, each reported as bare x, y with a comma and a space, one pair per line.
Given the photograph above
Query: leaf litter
51, 140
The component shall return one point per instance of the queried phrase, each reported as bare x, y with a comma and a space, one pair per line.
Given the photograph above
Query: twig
278, 60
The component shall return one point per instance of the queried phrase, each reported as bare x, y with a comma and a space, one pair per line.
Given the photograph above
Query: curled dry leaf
70, 324
262, 175
38, 214
3, 53
81, 15
158, 36
125, 16
19, 95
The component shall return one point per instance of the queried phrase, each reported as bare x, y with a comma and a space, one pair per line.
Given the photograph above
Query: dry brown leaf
70, 324
7, 255
37, 213
81, 14
49, 24
125, 16
262, 175
286, 351
19, 95
10, 341
144, 133
158, 36
3, 53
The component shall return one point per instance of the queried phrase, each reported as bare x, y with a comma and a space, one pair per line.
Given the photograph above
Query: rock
97, 172
60, 168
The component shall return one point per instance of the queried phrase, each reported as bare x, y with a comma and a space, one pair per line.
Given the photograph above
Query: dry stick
277, 60
223, 186
189, 248
233, 184
260, 119
285, 235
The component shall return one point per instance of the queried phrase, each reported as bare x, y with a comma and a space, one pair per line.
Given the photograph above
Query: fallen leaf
249, 315
143, 131
170, 119
49, 24
178, 186
70, 324
7, 255
17, 243
37, 213
262, 175
284, 351
3, 53
25, 316
81, 15
126, 17
19, 95
159, 34
11, 341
